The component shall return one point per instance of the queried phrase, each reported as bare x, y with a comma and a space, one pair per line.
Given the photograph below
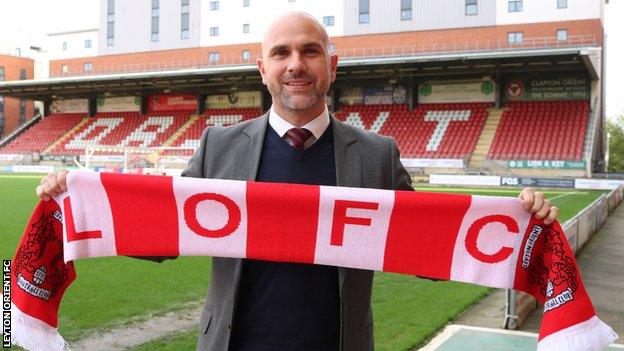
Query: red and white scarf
489, 241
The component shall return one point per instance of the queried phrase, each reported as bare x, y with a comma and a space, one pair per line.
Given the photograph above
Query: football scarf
489, 241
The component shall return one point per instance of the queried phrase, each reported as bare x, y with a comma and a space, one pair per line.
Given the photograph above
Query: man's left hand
534, 202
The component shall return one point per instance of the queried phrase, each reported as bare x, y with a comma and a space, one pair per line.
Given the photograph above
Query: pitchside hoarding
547, 89
546, 164
538, 182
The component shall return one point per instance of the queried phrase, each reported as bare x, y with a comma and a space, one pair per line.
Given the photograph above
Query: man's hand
534, 202
52, 185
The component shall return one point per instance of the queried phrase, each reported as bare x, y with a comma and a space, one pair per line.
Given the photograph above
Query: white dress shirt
317, 126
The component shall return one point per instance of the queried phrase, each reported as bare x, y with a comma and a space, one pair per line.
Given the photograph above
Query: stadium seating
212, 117
448, 130
44, 133
123, 129
552, 130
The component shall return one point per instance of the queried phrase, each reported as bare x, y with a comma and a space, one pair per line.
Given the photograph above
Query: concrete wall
75, 44
535, 11
133, 26
232, 15
385, 16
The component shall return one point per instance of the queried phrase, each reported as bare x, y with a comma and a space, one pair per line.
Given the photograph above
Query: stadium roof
366, 70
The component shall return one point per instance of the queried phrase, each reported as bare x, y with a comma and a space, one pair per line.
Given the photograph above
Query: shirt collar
317, 126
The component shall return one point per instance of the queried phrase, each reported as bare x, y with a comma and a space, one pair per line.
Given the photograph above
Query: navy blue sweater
288, 306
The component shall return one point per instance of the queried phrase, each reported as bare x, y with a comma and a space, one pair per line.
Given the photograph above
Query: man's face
296, 67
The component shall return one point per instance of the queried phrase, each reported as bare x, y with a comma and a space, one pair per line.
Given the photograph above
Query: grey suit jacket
363, 159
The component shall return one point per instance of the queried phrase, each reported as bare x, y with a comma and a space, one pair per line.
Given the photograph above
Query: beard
298, 101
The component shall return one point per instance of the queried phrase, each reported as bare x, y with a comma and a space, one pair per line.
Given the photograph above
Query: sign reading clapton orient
548, 89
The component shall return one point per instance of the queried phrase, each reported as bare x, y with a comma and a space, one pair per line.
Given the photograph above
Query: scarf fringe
590, 335
33, 334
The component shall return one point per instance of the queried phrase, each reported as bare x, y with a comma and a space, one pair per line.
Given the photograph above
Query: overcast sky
29, 20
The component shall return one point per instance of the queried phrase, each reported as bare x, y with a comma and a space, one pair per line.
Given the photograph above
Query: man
257, 305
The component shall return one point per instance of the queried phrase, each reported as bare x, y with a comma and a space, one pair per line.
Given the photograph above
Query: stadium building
511, 88
14, 111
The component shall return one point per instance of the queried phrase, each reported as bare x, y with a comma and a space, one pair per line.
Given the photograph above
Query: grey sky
29, 20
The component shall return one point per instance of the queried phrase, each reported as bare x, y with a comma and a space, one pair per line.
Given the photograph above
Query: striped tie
298, 137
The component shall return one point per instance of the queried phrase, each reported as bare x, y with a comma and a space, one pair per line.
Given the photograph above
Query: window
562, 4
332, 48
245, 3
18, 52
22, 111
562, 34
245, 28
328, 21
1, 74
514, 38
65, 68
87, 43
155, 20
472, 8
514, 6
406, 10
88, 66
214, 31
64, 46
213, 57
110, 23
22, 74
184, 28
246, 55
364, 9
214, 5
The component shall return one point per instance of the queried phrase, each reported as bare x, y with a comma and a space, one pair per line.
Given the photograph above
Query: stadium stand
553, 130
44, 133
212, 117
123, 129
448, 130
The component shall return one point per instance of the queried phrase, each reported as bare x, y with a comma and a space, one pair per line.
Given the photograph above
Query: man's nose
296, 63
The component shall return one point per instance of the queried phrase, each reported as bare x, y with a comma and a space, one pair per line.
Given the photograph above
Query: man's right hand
52, 185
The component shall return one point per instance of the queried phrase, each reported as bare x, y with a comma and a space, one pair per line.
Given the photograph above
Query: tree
615, 130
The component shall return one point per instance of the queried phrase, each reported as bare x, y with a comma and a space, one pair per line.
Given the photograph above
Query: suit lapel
348, 167
250, 160
348, 156
247, 169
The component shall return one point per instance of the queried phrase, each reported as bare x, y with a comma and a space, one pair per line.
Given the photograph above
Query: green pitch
114, 291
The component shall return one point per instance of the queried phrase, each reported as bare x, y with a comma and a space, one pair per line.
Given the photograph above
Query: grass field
115, 291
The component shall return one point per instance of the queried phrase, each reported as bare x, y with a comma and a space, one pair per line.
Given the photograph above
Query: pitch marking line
564, 195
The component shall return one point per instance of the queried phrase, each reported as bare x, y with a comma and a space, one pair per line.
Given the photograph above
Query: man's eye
280, 53
311, 51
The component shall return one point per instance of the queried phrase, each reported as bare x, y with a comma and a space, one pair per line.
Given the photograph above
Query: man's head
296, 65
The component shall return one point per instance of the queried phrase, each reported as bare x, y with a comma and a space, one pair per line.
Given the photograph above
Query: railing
355, 53
20, 129
590, 135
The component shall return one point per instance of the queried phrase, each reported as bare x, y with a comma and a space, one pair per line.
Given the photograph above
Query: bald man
259, 305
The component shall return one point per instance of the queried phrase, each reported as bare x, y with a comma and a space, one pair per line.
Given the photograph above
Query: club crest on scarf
37, 274
553, 271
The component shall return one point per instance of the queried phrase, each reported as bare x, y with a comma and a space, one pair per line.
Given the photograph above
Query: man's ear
333, 65
260, 64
